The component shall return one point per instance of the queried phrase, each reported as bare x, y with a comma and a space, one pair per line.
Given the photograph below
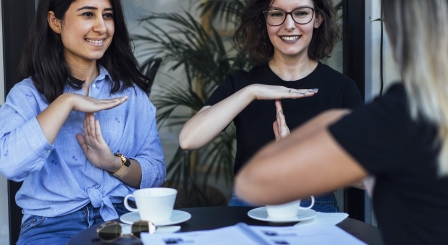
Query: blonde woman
400, 138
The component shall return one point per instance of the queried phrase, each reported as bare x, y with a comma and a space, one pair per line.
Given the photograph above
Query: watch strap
124, 165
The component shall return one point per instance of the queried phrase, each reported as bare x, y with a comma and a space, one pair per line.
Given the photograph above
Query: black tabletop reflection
208, 218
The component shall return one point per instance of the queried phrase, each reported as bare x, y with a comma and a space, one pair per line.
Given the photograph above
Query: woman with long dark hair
286, 38
83, 115
400, 138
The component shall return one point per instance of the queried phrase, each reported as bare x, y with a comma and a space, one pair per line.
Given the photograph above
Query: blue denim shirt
57, 178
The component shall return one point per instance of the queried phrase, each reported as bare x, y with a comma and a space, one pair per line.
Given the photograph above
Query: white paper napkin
324, 218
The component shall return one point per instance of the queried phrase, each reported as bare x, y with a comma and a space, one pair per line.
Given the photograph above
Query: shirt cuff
151, 174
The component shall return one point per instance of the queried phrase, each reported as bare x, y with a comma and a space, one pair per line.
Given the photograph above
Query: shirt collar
103, 74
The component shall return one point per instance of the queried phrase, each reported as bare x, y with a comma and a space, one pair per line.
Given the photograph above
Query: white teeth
95, 41
290, 38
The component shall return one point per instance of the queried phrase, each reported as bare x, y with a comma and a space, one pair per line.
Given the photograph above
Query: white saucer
262, 214
126, 229
177, 216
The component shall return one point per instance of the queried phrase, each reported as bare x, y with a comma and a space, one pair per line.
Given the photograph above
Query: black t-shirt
254, 123
410, 200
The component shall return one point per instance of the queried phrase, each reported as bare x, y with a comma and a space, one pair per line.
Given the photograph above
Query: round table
207, 218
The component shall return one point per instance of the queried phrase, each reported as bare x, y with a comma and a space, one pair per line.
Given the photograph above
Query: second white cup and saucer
282, 213
155, 205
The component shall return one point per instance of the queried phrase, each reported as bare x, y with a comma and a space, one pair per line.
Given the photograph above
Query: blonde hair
418, 31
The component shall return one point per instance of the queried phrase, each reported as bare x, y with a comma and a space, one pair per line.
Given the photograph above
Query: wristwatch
124, 165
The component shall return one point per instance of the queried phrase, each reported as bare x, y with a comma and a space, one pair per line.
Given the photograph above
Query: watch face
123, 159
127, 163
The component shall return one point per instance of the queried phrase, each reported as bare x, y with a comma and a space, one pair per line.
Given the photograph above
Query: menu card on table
243, 234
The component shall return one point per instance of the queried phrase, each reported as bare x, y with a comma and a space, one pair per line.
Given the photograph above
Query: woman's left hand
94, 146
281, 130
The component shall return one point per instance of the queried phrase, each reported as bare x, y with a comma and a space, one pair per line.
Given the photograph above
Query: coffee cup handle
127, 205
311, 205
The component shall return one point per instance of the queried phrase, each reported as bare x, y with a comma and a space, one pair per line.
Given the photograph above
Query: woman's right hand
272, 92
211, 120
89, 104
54, 116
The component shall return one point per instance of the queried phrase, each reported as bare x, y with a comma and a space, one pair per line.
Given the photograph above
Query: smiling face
86, 30
291, 39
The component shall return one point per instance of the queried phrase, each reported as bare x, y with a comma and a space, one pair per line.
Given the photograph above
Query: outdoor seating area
223, 122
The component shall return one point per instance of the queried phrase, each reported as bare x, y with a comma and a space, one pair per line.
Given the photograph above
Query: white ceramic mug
153, 204
286, 210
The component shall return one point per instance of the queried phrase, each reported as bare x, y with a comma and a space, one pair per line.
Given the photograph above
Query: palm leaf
220, 154
183, 43
225, 11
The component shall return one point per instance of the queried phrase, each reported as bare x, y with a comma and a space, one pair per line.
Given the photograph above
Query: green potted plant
199, 50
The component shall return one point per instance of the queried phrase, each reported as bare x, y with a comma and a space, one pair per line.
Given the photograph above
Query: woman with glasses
72, 130
286, 38
401, 138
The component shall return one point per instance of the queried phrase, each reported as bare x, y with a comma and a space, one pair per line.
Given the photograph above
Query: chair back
150, 68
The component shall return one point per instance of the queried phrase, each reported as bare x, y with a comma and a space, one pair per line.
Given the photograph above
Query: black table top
207, 218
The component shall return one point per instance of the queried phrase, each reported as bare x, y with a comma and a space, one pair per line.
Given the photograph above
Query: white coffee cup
287, 210
153, 204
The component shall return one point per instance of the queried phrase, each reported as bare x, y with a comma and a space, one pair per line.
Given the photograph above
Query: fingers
280, 114
281, 130
280, 124
91, 105
298, 93
111, 103
92, 128
82, 142
91, 125
88, 125
304, 91
276, 130
98, 134
85, 125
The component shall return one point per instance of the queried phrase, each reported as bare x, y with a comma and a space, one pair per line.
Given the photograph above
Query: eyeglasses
112, 230
301, 16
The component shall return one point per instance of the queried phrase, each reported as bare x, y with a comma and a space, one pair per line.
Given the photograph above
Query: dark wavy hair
43, 57
252, 37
